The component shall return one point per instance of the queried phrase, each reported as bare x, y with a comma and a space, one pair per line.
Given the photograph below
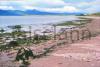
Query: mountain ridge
32, 12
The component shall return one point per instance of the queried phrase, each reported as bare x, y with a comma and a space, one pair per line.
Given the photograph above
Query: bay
35, 20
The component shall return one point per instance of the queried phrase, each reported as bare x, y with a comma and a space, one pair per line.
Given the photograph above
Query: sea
35, 20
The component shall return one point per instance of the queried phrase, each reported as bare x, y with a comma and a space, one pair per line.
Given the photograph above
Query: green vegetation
95, 14
16, 31
13, 44
25, 42
10, 45
84, 18
1, 32
77, 23
3, 47
40, 38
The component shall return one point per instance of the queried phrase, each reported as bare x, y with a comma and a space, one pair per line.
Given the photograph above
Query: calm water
37, 20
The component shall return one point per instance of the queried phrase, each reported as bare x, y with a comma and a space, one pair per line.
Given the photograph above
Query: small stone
60, 63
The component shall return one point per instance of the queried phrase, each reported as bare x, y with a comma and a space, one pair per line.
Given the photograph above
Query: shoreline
40, 47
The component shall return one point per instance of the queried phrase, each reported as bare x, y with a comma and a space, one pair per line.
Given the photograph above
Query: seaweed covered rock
13, 44
24, 54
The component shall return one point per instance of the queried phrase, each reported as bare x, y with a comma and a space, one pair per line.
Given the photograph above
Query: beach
84, 53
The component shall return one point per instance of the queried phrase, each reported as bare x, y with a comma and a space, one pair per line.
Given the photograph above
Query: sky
83, 6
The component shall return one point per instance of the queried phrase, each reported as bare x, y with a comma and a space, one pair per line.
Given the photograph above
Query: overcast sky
87, 6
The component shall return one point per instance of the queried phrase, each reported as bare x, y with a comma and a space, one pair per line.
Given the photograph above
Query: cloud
75, 1
49, 3
89, 6
39, 3
92, 9
58, 10
7, 8
63, 9
16, 3
43, 5
91, 3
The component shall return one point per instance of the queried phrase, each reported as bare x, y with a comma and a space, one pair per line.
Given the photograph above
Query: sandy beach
85, 53
81, 54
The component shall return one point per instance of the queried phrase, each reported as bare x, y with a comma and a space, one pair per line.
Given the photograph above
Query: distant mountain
31, 12
36, 12
10, 12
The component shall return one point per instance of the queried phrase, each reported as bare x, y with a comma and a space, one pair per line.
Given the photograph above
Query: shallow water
35, 19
